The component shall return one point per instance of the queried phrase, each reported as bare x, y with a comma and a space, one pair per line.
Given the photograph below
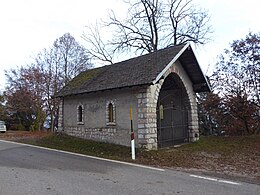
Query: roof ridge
151, 53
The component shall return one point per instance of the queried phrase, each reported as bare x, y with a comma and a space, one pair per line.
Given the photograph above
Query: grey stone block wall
147, 118
60, 116
105, 134
147, 103
193, 125
143, 101
95, 125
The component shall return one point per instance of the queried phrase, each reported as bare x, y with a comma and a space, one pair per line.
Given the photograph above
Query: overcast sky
28, 26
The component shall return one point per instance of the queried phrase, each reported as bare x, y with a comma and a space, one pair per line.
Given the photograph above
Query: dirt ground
236, 158
17, 135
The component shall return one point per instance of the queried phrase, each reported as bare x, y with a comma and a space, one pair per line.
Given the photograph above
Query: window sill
80, 123
111, 124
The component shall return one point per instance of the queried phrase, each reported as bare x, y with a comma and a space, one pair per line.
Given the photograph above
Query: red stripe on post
132, 136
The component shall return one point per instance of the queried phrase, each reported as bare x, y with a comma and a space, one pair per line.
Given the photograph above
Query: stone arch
147, 104
177, 69
182, 76
173, 109
80, 114
110, 113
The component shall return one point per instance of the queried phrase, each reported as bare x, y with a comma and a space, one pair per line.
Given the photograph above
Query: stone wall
95, 123
105, 134
143, 100
193, 125
147, 103
60, 115
147, 118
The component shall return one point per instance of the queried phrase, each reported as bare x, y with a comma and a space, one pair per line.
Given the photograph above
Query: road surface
31, 170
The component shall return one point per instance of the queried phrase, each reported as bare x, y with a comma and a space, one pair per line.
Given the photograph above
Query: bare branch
149, 26
98, 49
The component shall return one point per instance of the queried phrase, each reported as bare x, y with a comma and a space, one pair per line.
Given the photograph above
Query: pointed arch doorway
172, 112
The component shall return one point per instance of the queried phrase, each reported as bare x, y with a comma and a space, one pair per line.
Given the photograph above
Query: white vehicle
2, 127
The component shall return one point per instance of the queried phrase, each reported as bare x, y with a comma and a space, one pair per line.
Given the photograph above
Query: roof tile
140, 70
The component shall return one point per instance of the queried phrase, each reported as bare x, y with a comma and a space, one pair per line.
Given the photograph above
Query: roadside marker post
132, 135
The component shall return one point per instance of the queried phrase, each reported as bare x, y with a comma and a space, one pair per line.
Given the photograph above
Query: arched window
80, 114
110, 113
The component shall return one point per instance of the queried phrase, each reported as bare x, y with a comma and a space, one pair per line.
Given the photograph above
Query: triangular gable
200, 84
171, 63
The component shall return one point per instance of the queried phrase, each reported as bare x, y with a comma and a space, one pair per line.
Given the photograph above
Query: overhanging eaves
191, 66
171, 63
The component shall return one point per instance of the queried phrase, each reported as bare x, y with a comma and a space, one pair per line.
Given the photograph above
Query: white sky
28, 26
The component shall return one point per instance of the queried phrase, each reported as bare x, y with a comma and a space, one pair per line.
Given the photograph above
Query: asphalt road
31, 170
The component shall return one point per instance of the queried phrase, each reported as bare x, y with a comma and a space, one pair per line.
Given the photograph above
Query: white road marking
87, 156
215, 179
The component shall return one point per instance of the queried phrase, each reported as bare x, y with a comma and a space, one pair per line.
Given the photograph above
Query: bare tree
98, 49
72, 57
31, 88
64, 60
48, 62
189, 23
151, 25
140, 31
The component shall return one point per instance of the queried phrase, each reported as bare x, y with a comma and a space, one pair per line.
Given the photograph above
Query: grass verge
237, 156
78, 145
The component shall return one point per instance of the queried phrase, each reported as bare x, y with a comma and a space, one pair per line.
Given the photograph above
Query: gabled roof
143, 70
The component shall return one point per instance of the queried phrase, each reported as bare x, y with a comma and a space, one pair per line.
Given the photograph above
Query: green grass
224, 145
219, 145
73, 144
220, 154
235, 155
238, 155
